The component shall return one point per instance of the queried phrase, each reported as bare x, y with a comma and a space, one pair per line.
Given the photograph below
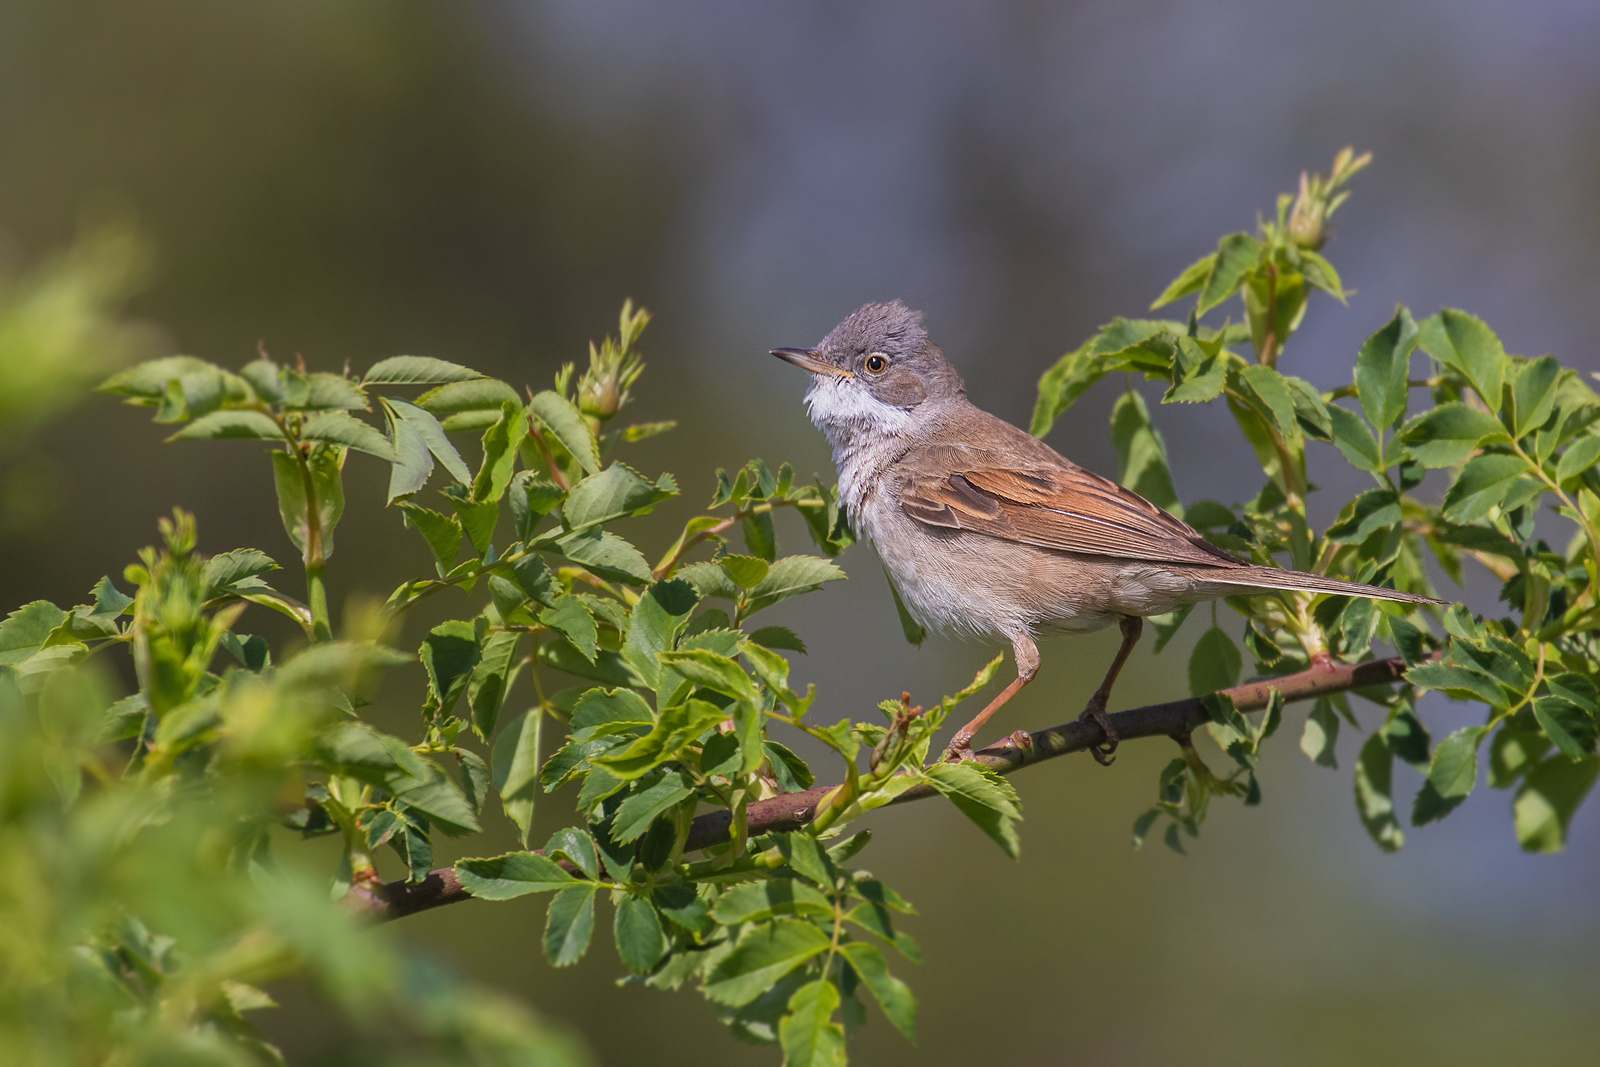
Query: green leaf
1547, 798
569, 924
657, 620
778, 637
704, 668
809, 1036
449, 653
329, 392
1481, 485
1197, 375
417, 370
499, 455
228, 568
515, 762
678, 727
481, 395
608, 711
24, 630
614, 492
762, 956
640, 940
1465, 343
325, 465
1579, 457
514, 874
789, 577
1237, 254
1142, 452
442, 532
251, 425
1321, 734
892, 995
1374, 787
571, 618
982, 796
1533, 394
1215, 663
790, 770
606, 554
338, 428
636, 813
1571, 727
149, 380
764, 900
1458, 681
1450, 433
562, 421
491, 677
1193, 277
1275, 395
413, 463
1354, 439
1382, 367
746, 572
1451, 775
388, 763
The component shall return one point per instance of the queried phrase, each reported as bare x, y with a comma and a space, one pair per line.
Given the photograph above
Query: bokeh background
486, 182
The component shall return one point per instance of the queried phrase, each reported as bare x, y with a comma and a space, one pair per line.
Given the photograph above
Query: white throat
862, 430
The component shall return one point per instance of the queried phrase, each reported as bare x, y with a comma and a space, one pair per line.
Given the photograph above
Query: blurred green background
486, 182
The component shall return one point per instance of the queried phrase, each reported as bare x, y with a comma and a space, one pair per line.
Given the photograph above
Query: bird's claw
1104, 752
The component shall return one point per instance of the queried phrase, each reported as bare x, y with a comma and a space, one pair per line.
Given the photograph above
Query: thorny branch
791, 811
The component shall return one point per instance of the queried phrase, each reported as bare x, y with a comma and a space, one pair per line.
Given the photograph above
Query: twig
791, 811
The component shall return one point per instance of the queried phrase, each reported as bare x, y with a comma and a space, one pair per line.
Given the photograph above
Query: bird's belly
957, 581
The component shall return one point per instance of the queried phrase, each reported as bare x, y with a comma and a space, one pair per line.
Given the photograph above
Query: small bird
986, 530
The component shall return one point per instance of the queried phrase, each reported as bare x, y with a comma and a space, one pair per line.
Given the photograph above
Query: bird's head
873, 372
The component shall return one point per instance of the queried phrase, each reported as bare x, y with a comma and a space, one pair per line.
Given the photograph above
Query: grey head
877, 374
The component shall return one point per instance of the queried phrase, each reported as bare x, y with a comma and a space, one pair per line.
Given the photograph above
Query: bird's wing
1062, 507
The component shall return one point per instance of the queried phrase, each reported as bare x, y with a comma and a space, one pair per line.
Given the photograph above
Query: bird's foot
1104, 752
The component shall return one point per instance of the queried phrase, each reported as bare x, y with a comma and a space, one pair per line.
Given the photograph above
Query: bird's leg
1132, 627
1027, 656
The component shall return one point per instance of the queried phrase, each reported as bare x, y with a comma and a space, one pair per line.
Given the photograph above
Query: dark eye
876, 364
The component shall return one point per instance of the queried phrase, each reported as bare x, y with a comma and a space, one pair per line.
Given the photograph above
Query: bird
985, 530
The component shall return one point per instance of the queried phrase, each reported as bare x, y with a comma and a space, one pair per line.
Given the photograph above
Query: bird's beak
807, 360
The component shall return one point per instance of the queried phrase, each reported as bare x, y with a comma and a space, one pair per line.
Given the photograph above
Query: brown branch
791, 811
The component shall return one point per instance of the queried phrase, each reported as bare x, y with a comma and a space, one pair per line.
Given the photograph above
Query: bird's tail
1254, 577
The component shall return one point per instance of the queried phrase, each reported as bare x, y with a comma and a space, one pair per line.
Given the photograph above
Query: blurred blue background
486, 182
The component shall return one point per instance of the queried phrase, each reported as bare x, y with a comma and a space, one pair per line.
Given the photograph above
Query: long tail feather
1253, 577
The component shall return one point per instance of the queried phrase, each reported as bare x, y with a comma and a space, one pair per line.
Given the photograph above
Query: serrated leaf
808, 1034
1450, 433
569, 924
608, 711
339, 428
746, 572
1579, 457
1481, 485
677, 728
218, 425
1465, 343
718, 673
490, 679
387, 762
982, 796
1547, 798
515, 763
24, 630
1354, 439
617, 491
1237, 254
1452, 774
328, 392
1374, 785
1571, 727
892, 995
1382, 366
557, 417
1142, 453
449, 653
789, 577
326, 466
1193, 277
1533, 394
227, 568
512, 875
417, 370
657, 620
779, 637
640, 940
442, 532
1215, 663
635, 814
762, 956
571, 618
764, 900
1321, 734
606, 554
1275, 395
499, 455
485, 396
